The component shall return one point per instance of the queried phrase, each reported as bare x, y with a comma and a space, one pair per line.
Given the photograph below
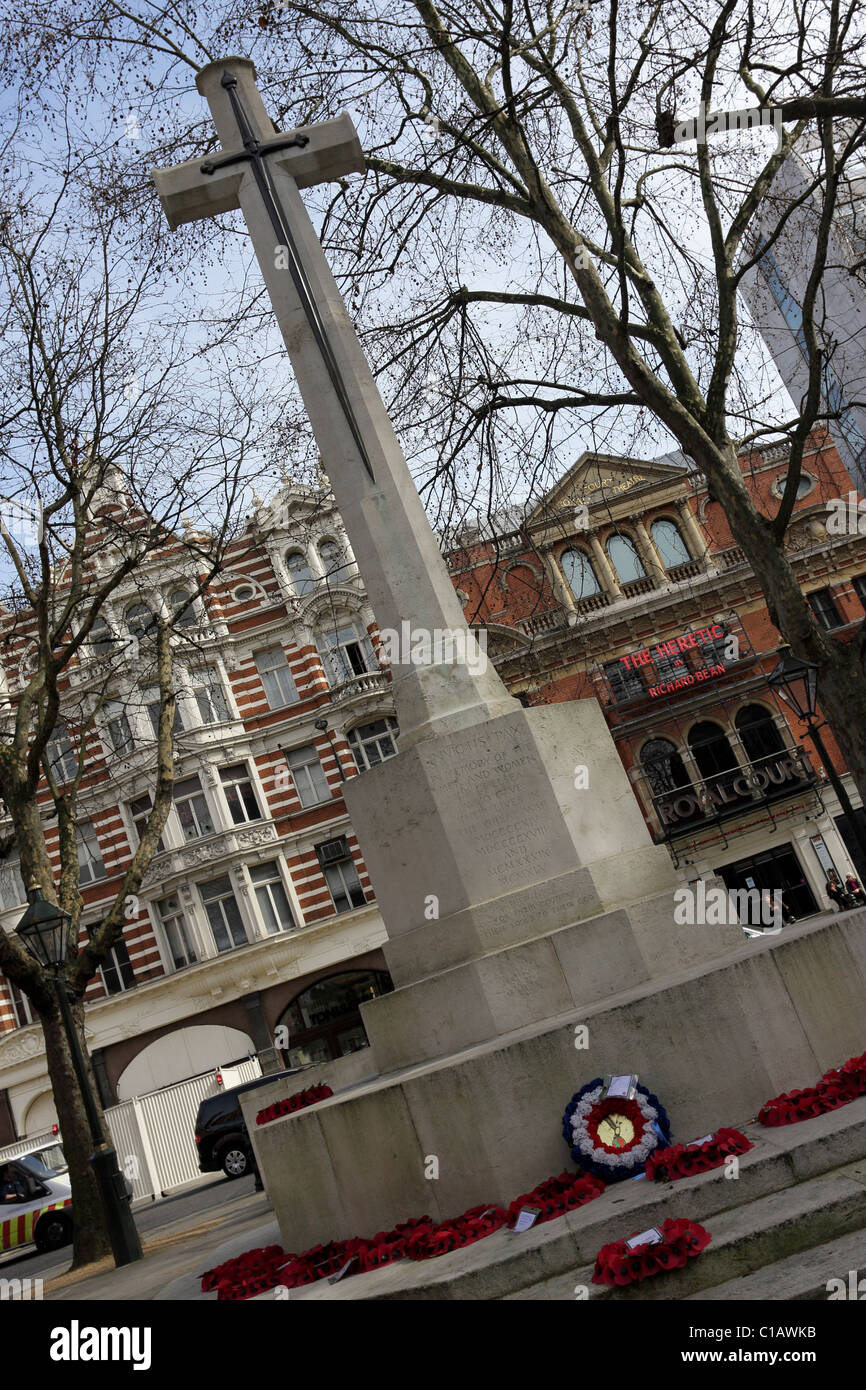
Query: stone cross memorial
519, 885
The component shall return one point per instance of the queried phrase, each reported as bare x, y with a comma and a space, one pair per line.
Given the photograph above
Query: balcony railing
689, 569
679, 810
209, 849
370, 683
637, 586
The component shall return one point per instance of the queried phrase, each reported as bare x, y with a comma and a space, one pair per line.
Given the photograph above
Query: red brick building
257, 911
625, 584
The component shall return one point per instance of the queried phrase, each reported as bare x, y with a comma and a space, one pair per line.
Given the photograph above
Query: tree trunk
91, 1235
841, 679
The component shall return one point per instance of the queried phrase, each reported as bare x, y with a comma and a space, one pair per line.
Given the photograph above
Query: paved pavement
180, 1237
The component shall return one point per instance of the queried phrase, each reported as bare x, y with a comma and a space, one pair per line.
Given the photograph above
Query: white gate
154, 1134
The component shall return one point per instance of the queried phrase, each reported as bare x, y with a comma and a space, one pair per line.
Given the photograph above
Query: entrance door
773, 869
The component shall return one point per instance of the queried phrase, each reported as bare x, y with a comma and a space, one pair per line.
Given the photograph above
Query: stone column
560, 585
605, 570
695, 539
648, 553
267, 1054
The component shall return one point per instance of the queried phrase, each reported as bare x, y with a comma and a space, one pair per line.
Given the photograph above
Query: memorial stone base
533, 947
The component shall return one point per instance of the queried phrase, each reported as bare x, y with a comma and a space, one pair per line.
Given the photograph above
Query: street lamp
796, 682
44, 933
322, 726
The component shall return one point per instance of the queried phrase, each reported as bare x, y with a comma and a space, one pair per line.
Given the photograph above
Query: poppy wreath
455, 1233
298, 1101
556, 1196
246, 1275
684, 1160
612, 1163
681, 1240
835, 1088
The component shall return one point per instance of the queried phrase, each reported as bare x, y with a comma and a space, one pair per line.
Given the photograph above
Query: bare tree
540, 257
111, 464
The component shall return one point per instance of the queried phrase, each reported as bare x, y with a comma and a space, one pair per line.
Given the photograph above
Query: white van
34, 1205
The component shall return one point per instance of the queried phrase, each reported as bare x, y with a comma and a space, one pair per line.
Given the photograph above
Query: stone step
801, 1277
782, 1226
554, 1257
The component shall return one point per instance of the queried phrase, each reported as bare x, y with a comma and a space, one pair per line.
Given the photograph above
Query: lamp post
44, 933
322, 726
796, 682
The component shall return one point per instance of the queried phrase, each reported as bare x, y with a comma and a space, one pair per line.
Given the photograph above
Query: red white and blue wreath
613, 1135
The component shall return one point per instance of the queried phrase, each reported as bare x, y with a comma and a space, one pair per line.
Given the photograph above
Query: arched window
140, 621
758, 733
331, 557
299, 572
101, 638
325, 1021
669, 543
179, 603
664, 767
713, 753
625, 559
579, 573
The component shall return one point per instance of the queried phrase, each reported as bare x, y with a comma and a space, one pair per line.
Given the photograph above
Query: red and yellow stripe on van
18, 1230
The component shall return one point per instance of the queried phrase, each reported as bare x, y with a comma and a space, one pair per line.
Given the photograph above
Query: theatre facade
626, 584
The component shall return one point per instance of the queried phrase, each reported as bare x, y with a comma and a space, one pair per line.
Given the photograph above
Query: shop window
223, 913
625, 559
825, 610
374, 742
299, 573
579, 573
669, 543
325, 1021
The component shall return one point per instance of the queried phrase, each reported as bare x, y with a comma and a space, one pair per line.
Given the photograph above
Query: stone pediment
599, 479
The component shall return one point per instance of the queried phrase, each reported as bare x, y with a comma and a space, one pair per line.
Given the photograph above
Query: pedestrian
856, 892
837, 892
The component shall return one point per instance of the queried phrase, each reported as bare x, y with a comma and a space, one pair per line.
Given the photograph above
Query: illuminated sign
667, 658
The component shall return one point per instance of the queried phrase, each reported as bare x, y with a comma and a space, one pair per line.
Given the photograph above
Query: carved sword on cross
203, 188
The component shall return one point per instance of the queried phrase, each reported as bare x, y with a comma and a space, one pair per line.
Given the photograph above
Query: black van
220, 1133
